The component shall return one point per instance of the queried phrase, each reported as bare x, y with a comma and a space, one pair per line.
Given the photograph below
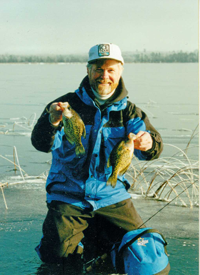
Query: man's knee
51, 252
61, 232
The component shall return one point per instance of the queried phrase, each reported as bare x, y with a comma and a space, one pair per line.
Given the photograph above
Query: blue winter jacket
82, 181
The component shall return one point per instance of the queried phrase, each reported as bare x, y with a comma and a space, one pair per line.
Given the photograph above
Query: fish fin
80, 150
84, 132
124, 170
108, 163
112, 180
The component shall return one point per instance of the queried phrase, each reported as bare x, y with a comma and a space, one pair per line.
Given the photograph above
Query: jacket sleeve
137, 121
43, 133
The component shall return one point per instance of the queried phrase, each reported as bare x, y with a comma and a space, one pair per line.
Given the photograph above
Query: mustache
103, 82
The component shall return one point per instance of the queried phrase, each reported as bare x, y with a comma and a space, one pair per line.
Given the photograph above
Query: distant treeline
160, 57
129, 57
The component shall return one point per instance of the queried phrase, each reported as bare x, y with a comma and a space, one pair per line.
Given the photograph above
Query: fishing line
166, 204
101, 258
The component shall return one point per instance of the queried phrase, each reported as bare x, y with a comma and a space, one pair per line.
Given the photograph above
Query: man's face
104, 76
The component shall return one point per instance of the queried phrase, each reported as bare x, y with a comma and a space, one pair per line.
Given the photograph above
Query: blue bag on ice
142, 251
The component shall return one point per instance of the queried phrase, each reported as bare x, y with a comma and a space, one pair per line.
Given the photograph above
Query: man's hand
55, 112
143, 141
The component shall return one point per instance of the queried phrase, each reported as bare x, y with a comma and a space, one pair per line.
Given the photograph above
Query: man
79, 200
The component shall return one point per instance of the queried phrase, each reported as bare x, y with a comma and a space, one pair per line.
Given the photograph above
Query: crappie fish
120, 158
74, 127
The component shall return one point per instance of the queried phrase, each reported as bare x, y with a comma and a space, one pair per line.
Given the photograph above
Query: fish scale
120, 158
74, 127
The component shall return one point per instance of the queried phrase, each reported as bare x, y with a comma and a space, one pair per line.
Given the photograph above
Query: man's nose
104, 74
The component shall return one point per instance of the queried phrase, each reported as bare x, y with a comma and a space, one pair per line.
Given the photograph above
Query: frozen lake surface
168, 93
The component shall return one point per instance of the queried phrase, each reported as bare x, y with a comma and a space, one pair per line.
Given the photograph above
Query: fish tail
80, 150
112, 180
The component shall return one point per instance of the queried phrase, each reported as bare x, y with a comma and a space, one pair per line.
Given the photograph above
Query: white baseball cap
106, 50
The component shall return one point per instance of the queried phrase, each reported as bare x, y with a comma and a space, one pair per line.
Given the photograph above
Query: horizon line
124, 52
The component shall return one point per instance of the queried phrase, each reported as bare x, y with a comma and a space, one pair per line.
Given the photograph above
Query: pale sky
73, 26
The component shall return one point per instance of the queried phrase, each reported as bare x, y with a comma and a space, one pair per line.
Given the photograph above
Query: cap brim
104, 57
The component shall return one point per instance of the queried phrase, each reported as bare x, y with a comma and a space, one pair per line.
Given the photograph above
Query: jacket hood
119, 94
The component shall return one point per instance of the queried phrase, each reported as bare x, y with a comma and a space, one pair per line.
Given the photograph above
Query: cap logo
104, 50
